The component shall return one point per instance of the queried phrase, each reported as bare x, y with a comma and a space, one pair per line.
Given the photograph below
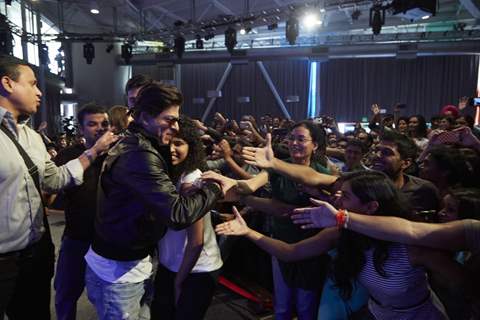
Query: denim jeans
305, 301
70, 277
114, 301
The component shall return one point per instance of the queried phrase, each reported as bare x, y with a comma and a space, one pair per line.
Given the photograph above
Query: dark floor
226, 305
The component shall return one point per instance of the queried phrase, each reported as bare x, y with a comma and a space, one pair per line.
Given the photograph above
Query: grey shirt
21, 213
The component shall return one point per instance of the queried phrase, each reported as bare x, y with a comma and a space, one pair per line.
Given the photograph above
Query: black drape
290, 77
348, 87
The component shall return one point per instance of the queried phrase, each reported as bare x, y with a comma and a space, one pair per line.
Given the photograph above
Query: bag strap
32, 170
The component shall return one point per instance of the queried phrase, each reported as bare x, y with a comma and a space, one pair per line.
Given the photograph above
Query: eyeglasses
300, 139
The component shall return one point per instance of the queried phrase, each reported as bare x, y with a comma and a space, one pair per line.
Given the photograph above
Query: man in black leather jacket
136, 201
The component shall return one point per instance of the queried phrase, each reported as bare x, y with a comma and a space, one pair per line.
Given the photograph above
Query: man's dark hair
359, 144
452, 162
405, 146
155, 97
9, 67
137, 81
89, 108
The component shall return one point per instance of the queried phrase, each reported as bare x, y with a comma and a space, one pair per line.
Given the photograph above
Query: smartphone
281, 132
243, 125
476, 102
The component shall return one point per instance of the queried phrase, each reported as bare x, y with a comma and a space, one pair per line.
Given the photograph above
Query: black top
80, 201
422, 195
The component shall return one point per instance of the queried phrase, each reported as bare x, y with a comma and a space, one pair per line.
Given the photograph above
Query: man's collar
5, 114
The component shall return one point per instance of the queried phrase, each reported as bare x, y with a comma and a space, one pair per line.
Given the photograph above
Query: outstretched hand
260, 157
321, 216
236, 227
225, 183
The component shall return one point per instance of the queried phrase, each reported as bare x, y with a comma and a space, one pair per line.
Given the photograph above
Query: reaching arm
449, 236
264, 158
268, 206
316, 245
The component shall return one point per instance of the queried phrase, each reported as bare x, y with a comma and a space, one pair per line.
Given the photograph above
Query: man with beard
395, 154
80, 209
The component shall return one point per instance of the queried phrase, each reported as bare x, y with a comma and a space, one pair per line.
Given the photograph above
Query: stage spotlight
311, 20
199, 42
43, 55
230, 39
272, 26
209, 36
127, 52
89, 52
377, 19
291, 30
179, 46
109, 48
356, 14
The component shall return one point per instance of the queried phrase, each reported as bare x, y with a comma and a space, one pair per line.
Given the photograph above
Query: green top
309, 273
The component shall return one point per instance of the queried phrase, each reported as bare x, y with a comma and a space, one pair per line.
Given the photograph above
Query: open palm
260, 157
236, 227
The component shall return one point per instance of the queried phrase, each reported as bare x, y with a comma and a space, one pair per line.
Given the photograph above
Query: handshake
223, 182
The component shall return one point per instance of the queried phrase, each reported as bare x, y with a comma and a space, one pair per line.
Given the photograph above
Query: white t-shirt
171, 248
114, 271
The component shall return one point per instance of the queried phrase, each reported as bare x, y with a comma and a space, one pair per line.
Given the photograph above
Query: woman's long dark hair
318, 136
350, 260
196, 158
422, 129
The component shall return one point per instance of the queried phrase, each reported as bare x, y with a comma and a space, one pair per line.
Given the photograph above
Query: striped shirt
404, 293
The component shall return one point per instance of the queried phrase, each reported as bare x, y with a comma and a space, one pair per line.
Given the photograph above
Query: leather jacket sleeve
144, 173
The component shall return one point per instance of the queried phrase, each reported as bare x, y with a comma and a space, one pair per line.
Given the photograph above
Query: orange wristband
342, 218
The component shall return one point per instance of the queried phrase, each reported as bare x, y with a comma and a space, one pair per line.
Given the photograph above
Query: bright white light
322, 10
67, 90
243, 31
311, 20
425, 17
94, 11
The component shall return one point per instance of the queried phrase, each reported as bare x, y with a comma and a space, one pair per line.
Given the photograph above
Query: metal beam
205, 11
269, 81
156, 22
220, 85
223, 7
170, 14
471, 7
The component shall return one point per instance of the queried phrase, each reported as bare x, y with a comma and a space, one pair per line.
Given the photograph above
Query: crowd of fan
436, 168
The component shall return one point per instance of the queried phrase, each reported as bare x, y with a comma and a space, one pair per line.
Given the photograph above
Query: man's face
388, 160
164, 126
353, 156
93, 127
23, 93
131, 96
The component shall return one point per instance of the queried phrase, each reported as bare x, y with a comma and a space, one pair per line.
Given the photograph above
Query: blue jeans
306, 301
69, 277
115, 301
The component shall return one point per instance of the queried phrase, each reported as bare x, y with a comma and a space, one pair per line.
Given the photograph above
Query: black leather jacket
137, 199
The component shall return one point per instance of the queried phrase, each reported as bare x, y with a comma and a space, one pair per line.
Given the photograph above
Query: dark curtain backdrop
348, 87
290, 77
52, 112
